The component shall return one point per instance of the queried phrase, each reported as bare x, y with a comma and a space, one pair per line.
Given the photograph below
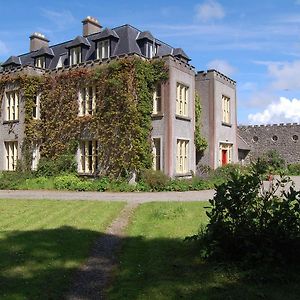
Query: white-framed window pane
12, 106
182, 99
11, 155
225, 109
182, 156
88, 157
156, 150
157, 100
103, 49
87, 100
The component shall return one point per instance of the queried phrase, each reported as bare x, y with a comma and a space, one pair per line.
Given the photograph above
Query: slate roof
43, 51
105, 33
242, 145
13, 60
127, 39
180, 53
145, 35
79, 40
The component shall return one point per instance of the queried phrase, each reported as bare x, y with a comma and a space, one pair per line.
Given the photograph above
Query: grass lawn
155, 263
43, 242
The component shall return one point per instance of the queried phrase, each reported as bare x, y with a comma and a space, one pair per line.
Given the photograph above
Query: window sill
183, 118
226, 124
157, 116
10, 122
183, 175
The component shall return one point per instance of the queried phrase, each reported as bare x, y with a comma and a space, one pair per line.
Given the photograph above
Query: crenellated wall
284, 138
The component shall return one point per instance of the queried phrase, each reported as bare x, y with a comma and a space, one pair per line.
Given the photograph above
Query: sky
256, 43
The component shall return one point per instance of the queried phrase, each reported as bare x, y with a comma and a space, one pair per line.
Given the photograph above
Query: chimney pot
90, 26
38, 41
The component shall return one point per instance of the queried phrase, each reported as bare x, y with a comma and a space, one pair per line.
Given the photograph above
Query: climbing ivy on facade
120, 119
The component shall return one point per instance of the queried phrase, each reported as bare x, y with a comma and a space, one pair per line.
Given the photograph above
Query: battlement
270, 125
217, 74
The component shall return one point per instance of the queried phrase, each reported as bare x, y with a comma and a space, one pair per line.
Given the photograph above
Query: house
173, 117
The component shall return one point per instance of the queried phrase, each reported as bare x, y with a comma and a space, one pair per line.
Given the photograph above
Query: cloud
3, 48
61, 19
222, 66
209, 10
285, 75
284, 111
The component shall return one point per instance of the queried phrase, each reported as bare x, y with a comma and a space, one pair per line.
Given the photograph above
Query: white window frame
11, 155
12, 105
35, 157
88, 157
103, 49
229, 148
157, 103
157, 153
40, 62
182, 156
87, 101
226, 109
36, 107
182, 99
75, 55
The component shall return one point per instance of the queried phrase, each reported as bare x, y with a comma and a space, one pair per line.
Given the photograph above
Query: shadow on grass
40, 265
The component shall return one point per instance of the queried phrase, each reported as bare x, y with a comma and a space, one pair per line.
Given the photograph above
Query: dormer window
75, 55
103, 49
40, 62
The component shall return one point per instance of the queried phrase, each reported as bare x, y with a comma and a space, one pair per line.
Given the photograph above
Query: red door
224, 157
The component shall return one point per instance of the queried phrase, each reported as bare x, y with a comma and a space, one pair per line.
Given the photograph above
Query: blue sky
257, 43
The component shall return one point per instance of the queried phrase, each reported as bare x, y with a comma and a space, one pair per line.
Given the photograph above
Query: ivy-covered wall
121, 123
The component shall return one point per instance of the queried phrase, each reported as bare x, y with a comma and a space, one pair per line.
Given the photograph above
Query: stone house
173, 117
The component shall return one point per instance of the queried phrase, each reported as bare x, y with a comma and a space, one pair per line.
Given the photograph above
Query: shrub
13, 180
66, 182
156, 180
248, 222
63, 164
294, 169
273, 161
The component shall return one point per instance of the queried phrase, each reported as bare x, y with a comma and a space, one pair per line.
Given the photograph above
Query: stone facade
284, 138
211, 87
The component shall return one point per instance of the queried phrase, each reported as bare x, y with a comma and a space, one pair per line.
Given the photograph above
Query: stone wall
284, 138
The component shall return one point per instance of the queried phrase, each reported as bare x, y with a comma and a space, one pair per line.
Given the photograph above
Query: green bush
294, 169
13, 180
63, 164
248, 222
37, 183
156, 180
273, 162
66, 182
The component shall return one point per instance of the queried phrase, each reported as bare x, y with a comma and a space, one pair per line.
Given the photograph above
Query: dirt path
92, 278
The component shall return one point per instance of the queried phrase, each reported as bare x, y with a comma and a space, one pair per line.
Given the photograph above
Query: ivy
200, 142
121, 122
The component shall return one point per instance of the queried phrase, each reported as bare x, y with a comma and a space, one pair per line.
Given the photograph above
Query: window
88, 153
182, 156
157, 100
12, 106
274, 138
156, 150
11, 155
75, 56
182, 95
295, 137
40, 62
87, 101
225, 109
35, 157
36, 107
103, 49
225, 154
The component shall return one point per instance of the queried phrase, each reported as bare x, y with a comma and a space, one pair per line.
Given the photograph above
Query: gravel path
94, 276
136, 197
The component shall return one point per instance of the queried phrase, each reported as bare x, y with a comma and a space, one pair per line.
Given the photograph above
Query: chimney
90, 26
37, 41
